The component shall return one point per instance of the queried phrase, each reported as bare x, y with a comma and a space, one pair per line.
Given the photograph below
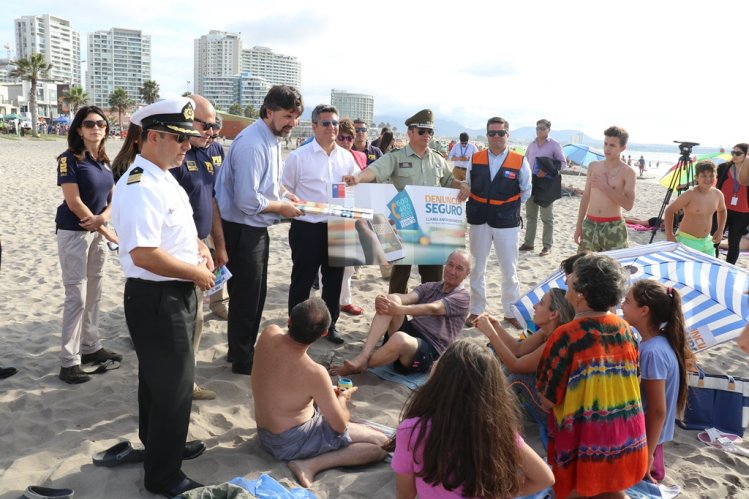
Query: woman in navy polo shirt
85, 176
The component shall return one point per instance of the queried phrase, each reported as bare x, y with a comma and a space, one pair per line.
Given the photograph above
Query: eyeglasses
345, 138
92, 123
207, 125
733, 153
181, 137
361, 130
540, 128
494, 133
422, 131
327, 123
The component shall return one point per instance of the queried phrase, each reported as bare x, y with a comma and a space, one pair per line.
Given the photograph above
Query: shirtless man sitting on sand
301, 417
610, 186
699, 205
438, 311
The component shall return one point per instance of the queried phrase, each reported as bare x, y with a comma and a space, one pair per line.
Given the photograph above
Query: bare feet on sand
348, 367
301, 472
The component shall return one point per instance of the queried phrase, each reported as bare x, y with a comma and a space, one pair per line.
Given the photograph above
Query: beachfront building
117, 58
276, 69
243, 89
216, 58
54, 38
17, 97
354, 106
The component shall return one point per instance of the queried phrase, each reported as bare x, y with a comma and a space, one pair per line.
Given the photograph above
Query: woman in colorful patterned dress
588, 378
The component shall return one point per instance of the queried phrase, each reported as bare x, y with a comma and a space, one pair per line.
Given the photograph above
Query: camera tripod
683, 166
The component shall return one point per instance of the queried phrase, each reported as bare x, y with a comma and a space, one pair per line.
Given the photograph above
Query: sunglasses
345, 138
208, 126
494, 133
181, 137
92, 123
422, 131
737, 153
540, 128
361, 130
327, 123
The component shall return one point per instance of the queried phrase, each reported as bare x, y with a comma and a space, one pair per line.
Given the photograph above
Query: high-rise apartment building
217, 55
277, 69
54, 38
117, 58
354, 106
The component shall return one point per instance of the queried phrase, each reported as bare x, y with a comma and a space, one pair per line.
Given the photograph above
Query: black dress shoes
241, 368
334, 337
183, 486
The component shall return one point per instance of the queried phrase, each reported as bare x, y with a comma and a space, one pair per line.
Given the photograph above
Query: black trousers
400, 274
161, 320
247, 248
309, 253
736, 223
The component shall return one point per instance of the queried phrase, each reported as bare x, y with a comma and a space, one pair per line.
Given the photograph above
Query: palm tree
150, 91
31, 69
236, 109
120, 101
76, 98
250, 112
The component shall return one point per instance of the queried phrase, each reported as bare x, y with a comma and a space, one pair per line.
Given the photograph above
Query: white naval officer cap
175, 114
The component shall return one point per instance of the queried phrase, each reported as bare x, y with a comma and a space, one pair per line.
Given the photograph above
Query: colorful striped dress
597, 440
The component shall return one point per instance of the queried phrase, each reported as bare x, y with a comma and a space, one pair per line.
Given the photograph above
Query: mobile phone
389, 241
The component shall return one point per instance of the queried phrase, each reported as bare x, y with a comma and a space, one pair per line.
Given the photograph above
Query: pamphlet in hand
312, 207
222, 275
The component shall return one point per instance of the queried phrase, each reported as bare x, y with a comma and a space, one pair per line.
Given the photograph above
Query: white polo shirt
311, 174
151, 210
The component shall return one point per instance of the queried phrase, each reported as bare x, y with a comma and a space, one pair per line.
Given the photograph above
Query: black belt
165, 284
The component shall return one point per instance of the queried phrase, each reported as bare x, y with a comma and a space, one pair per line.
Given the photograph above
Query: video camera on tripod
685, 148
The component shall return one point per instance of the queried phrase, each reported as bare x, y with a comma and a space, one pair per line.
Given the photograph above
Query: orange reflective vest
495, 201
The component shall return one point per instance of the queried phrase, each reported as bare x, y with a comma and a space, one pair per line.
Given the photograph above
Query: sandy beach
49, 430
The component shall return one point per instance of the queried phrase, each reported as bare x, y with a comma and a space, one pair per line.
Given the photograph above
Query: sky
663, 70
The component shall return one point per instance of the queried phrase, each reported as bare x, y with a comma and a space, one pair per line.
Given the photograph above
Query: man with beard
251, 198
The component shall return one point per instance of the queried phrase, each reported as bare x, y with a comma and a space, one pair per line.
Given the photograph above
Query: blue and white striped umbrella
714, 302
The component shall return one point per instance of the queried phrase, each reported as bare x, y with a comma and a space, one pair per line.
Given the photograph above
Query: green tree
76, 98
120, 101
31, 69
149, 91
250, 112
236, 109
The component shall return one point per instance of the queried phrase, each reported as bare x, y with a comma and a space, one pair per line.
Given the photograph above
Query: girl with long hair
655, 311
459, 435
84, 174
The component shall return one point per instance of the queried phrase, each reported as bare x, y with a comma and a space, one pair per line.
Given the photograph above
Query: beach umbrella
12, 116
685, 175
61, 120
714, 302
580, 154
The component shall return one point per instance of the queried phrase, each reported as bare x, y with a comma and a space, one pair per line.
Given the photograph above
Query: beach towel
639, 228
642, 490
265, 487
388, 372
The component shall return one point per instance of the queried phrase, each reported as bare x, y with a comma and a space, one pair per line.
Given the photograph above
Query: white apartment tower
217, 55
354, 106
117, 58
54, 38
276, 69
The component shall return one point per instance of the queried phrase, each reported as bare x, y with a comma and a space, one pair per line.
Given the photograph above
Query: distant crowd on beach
181, 211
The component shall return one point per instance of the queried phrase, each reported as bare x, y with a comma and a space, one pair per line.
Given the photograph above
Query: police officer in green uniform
415, 164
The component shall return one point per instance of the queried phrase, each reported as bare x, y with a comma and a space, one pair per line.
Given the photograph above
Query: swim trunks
702, 244
603, 234
309, 439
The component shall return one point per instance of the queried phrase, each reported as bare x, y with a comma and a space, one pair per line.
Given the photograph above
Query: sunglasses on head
361, 130
327, 123
494, 133
92, 123
422, 131
737, 153
345, 138
207, 125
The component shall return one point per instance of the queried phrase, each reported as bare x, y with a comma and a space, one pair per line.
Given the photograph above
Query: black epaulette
135, 175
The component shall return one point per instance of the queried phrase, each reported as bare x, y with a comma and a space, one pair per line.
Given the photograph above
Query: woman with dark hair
387, 142
459, 435
127, 154
87, 184
736, 197
655, 311
588, 378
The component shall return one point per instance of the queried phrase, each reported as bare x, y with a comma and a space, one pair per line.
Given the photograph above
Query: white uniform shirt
461, 154
310, 174
151, 210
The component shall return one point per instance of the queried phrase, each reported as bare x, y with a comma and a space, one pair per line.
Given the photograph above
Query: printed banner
419, 225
